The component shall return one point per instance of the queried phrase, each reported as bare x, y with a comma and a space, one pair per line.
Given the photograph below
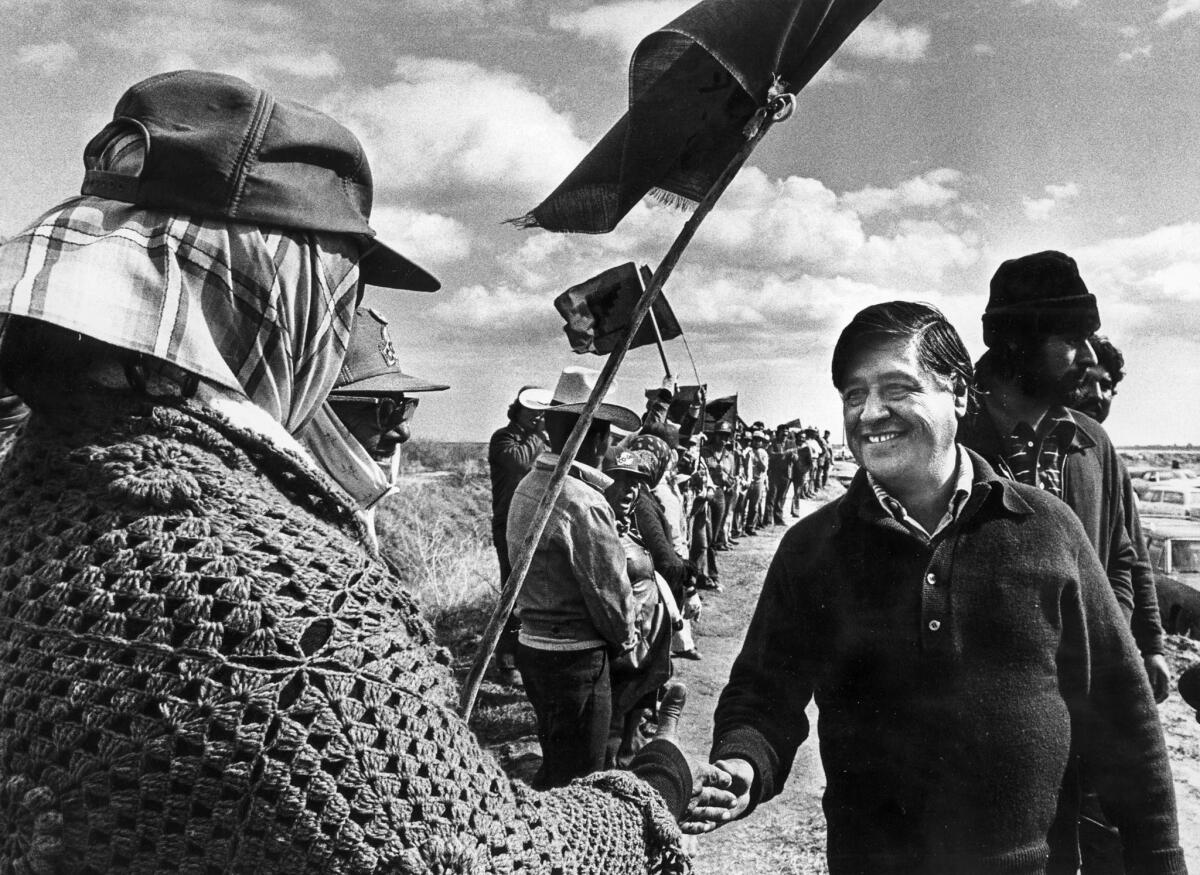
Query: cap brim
622, 417
389, 384
384, 266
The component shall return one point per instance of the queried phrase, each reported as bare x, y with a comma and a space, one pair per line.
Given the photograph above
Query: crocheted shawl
201, 671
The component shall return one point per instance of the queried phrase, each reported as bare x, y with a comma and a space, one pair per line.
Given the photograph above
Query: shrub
437, 531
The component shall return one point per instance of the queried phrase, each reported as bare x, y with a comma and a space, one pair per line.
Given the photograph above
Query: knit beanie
1040, 293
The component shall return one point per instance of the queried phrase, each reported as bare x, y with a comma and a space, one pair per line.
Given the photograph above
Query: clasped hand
720, 790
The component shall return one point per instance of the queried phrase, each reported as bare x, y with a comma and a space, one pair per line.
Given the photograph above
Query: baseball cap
371, 366
215, 146
636, 463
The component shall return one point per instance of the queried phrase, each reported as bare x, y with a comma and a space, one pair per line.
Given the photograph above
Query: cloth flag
694, 85
598, 312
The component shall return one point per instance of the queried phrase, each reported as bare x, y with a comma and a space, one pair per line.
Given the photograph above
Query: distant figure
1095, 395
511, 453
826, 460
576, 605
781, 452
959, 637
372, 400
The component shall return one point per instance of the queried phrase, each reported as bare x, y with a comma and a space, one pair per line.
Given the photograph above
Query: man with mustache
1039, 318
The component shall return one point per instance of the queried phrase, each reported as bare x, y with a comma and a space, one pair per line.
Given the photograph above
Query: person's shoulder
815, 527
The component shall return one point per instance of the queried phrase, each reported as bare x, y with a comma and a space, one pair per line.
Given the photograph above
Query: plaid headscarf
659, 449
264, 312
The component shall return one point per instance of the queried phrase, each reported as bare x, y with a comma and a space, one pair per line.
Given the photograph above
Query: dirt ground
787, 835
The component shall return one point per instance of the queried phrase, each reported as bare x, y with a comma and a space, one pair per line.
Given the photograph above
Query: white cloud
792, 228
257, 41
879, 38
319, 65
1039, 209
1160, 266
501, 309
426, 237
930, 190
621, 25
1177, 9
1061, 4
1134, 53
1129, 31
452, 125
983, 50
49, 57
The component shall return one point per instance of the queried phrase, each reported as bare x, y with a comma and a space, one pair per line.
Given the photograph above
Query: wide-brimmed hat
1041, 293
371, 366
575, 385
635, 463
213, 146
534, 397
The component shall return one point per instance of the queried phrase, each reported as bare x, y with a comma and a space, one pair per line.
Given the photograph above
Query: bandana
659, 449
262, 312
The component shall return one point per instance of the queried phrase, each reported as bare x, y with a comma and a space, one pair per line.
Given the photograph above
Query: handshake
720, 790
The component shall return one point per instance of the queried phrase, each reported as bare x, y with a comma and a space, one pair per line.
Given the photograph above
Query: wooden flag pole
662, 353
778, 107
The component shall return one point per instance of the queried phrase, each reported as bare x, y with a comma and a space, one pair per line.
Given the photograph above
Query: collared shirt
1036, 457
964, 477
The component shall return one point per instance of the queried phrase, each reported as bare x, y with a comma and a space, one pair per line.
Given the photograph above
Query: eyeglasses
390, 410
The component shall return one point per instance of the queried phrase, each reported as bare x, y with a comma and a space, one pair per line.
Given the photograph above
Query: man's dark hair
939, 348
1108, 357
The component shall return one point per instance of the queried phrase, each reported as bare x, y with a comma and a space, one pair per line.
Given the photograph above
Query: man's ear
962, 397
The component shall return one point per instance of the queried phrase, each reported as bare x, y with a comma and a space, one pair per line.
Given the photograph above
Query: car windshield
1185, 556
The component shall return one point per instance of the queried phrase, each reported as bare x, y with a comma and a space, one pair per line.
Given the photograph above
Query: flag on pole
694, 86
598, 311
721, 410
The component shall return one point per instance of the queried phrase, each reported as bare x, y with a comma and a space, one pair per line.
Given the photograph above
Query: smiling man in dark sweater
958, 635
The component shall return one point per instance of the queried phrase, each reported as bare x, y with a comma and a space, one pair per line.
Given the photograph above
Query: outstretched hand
723, 799
706, 778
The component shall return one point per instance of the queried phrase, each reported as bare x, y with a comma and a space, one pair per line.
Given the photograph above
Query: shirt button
934, 625
930, 580
1030, 445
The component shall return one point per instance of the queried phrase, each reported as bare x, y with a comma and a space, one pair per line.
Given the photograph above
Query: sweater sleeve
1146, 623
1119, 738
760, 715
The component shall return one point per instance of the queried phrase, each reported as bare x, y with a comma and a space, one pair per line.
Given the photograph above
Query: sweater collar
860, 499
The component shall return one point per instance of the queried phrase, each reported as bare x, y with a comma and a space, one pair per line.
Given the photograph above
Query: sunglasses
389, 411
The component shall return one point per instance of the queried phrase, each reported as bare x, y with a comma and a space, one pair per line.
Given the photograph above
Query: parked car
1175, 557
1180, 499
1147, 477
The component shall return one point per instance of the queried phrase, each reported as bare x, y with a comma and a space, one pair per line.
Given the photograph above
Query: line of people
206, 665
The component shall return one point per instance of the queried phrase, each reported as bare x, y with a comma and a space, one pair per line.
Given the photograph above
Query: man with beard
1036, 326
1095, 395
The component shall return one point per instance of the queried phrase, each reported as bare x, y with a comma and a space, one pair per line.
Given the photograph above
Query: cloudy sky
942, 139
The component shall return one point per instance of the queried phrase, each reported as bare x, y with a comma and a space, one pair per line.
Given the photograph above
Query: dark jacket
1092, 487
652, 527
954, 680
511, 452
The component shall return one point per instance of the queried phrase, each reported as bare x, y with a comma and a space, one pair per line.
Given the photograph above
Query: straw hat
575, 385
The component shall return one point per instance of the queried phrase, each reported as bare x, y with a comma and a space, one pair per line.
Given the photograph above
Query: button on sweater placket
935, 605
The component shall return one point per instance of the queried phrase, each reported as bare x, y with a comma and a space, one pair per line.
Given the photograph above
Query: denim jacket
577, 593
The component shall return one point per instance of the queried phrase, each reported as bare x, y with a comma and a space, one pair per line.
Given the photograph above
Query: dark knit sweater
952, 680
201, 671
